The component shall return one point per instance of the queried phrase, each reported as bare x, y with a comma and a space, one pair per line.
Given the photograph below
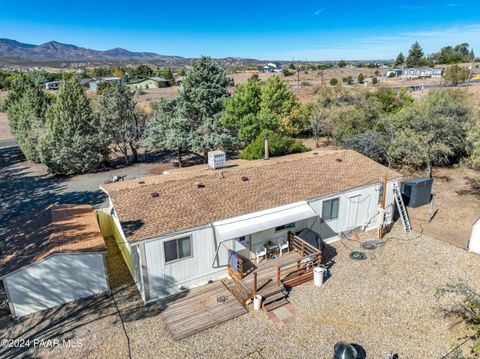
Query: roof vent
217, 159
338, 160
154, 194
200, 185
245, 178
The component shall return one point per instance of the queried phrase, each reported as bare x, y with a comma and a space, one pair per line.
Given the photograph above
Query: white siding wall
58, 279
367, 215
164, 278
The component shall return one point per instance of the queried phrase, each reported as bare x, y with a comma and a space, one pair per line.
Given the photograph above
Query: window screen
177, 249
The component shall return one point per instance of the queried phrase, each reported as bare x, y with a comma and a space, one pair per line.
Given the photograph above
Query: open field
385, 304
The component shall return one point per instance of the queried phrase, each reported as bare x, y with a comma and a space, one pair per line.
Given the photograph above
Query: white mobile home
56, 257
176, 230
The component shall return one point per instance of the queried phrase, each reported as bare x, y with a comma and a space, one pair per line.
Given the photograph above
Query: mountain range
56, 51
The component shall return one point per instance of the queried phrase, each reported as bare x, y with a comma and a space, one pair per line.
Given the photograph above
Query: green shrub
391, 75
287, 72
374, 80
278, 146
333, 82
360, 78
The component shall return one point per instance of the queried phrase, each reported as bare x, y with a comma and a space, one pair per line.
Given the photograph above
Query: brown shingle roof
181, 204
63, 228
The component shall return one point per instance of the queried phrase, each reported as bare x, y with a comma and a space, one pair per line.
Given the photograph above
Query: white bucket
257, 302
318, 273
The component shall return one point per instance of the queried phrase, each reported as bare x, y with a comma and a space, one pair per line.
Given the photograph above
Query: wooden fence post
254, 283
240, 262
278, 275
303, 249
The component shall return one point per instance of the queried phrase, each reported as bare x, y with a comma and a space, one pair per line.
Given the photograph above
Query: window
285, 226
177, 249
330, 209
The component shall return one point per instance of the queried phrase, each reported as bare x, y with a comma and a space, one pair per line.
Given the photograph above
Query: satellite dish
344, 351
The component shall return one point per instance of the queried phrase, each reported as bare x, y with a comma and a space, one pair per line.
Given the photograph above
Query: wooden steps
274, 299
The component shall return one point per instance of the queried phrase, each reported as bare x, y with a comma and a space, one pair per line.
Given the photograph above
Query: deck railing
301, 271
303, 247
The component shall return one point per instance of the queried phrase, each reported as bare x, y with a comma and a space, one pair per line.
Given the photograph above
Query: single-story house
176, 230
55, 256
420, 72
148, 83
272, 67
93, 83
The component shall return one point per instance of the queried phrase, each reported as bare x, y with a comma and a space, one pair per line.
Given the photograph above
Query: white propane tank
474, 244
318, 273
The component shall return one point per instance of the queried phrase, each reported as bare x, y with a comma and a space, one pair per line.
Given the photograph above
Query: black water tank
417, 192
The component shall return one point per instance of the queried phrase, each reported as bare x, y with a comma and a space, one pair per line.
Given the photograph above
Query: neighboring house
57, 256
420, 72
52, 85
148, 83
179, 80
175, 230
93, 83
272, 67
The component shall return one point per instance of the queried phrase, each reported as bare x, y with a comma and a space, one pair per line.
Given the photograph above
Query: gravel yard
384, 304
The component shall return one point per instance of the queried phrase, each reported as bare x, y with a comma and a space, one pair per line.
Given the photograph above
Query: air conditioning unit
217, 159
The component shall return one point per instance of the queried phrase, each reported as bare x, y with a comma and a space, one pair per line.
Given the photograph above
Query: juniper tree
121, 123
72, 142
26, 106
201, 100
168, 129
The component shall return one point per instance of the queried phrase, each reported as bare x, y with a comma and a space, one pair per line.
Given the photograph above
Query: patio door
242, 246
352, 210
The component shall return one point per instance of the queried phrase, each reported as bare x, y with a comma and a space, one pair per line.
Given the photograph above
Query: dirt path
5, 133
457, 206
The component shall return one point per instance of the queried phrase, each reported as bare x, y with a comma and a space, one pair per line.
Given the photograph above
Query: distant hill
56, 51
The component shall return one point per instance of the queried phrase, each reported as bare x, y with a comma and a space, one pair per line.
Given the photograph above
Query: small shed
53, 257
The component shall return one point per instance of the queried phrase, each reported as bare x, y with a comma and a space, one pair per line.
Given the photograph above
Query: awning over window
263, 220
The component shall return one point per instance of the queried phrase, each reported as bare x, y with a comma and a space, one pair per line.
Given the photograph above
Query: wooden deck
266, 272
200, 310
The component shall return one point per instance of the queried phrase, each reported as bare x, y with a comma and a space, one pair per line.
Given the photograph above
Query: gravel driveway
384, 304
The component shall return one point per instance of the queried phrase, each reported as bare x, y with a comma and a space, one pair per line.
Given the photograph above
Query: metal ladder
401, 208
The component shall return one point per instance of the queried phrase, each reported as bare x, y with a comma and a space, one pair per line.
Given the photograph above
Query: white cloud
319, 11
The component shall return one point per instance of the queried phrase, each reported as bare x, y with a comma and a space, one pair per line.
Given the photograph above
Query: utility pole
471, 71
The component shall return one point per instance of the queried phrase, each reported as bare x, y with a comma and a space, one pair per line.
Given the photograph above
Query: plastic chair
282, 244
259, 252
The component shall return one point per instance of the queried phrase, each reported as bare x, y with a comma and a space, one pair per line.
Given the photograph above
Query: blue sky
306, 30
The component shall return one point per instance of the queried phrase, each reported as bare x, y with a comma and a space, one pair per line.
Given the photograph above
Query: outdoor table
270, 247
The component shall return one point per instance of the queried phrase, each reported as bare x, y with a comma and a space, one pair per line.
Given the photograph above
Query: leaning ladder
401, 208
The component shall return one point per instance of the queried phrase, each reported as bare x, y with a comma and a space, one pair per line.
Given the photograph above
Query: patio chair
259, 252
282, 244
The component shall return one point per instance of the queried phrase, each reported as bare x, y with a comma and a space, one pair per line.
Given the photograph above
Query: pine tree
72, 142
400, 60
241, 111
277, 101
415, 55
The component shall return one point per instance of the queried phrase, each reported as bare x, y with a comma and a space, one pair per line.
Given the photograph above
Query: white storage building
54, 257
